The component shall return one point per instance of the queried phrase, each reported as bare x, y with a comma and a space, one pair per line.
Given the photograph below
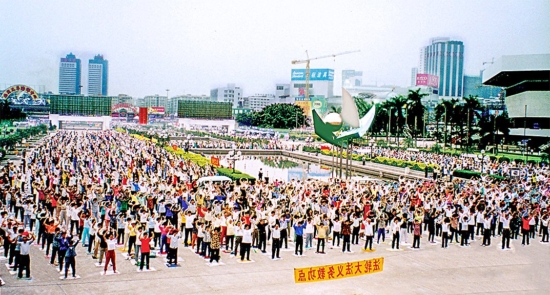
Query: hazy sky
192, 46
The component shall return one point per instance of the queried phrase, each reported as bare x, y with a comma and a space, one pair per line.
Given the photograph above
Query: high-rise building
351, 78
230, 93
445, 58
98, 76
70, 75
414, 71
421, 68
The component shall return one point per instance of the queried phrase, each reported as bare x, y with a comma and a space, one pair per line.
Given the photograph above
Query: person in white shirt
445, 232
395, 225
111, 252
238, 237
246, 242
486, 231
189, 220
336, 229
369, 233
505, 220
309, 233
173, 246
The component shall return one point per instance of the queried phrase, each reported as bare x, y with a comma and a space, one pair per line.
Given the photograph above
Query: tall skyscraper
414, 71
69, 75
445, 58
98, 76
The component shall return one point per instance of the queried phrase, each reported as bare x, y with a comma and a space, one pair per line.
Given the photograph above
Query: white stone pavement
430, 270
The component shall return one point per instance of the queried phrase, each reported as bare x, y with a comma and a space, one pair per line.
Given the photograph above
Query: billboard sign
319, 104
427, 80
314, 75
156, 110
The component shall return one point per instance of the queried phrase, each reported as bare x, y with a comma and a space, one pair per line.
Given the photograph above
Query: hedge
354, 157
469, 174
236, 176
203, 161
309, 149
20, 134
195, 158
419, 166
2, 153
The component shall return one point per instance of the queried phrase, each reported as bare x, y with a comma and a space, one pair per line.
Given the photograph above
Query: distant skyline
192, 46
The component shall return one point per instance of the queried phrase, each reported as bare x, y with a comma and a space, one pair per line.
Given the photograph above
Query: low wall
388, 172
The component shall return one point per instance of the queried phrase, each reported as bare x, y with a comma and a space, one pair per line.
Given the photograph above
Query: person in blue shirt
63, 246
299, 232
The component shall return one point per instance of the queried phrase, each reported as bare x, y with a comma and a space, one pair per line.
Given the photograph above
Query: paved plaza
430, 270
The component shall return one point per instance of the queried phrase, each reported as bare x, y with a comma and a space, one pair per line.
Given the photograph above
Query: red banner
143, 116
215, 161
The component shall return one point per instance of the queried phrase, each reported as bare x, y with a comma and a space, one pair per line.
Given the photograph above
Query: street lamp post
233, 156
389, 126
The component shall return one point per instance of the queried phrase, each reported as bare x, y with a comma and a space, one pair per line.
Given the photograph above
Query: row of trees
281, 115
6, 113
464, 122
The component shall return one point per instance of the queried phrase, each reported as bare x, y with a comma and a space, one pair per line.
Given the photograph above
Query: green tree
7, 113
281, 115
363, 107
381, 118
415, 110
471, 106
397, 104
245, 119
447, 109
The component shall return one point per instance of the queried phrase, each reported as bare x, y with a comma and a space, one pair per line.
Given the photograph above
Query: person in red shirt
525, 228
145, 250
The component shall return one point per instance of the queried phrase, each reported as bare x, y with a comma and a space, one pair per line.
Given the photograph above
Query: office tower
445, 58
70, 74
98, 76
414, 71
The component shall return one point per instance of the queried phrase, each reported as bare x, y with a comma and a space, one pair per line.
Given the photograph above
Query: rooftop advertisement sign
427, 80
314, 75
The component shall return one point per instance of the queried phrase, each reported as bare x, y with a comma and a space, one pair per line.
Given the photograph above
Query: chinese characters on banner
215, 161
338, 271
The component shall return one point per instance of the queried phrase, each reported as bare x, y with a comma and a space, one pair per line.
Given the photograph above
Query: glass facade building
445, 58
70, 75
98, 76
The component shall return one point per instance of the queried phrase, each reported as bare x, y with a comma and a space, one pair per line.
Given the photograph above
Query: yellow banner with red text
338, 271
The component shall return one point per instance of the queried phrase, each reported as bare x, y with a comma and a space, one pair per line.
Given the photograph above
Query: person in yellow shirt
132, 237
322, 229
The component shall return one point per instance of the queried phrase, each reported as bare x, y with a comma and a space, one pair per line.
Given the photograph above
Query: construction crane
306, 61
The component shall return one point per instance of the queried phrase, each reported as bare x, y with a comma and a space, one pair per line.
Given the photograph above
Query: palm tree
471, 105
363, 107
415, 112
381, 118
439, 115
397, 103
447, 107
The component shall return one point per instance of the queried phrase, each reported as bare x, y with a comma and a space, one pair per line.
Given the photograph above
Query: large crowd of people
107, 191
